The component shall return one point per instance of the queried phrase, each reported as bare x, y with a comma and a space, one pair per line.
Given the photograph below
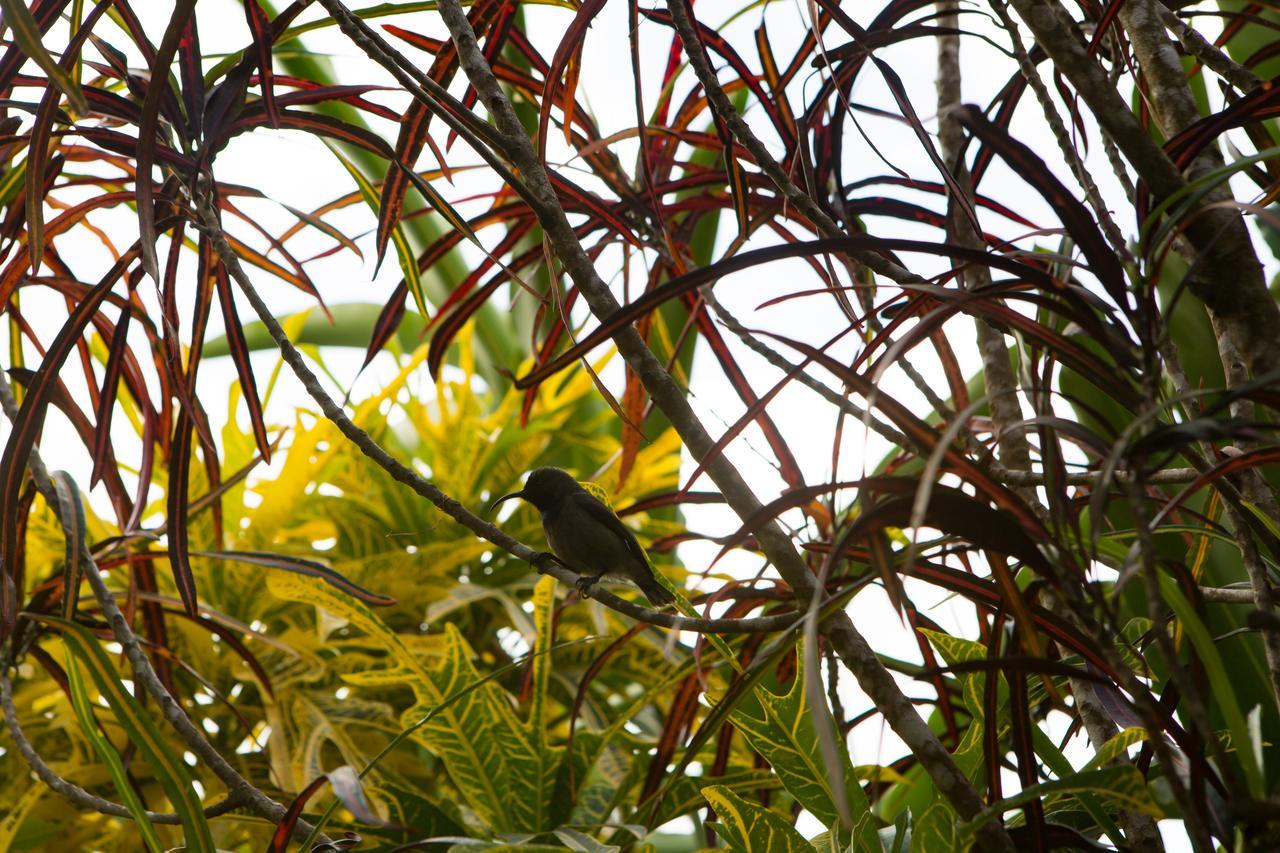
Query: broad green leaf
685, 794
1116, 746
935, 829
787, 739
748, 827
352, 326
580, 841
1053, 758
83, 707
1223, 694
498, 763
956, 650
537, 767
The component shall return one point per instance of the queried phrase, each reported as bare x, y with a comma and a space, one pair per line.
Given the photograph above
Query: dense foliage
223, 628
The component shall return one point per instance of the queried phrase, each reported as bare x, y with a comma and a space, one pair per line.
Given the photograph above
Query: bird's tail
658, 595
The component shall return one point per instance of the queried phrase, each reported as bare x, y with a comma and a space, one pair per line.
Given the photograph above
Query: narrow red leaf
107, 396
22, 436
284, 829
148, 133
263, 36
239, 350
568, 51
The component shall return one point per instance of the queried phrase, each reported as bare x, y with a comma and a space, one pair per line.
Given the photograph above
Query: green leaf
935, 829
749, 827
141, 731
1123, 784
685, 794
352, 326
1223, 693
1261, 514
575, 840
544, 600
83, 707
788, 740
1116, 746
1053, 758
955, 650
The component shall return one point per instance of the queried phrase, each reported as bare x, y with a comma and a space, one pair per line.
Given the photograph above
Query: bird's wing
601, 513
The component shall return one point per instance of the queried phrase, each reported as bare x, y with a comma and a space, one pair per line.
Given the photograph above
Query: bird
586, 536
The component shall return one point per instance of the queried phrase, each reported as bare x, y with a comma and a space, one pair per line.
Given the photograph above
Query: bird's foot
541, 559
585, 583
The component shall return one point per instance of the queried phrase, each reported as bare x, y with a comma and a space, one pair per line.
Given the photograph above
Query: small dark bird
586, 535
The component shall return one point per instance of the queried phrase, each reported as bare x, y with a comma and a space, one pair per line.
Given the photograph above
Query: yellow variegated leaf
502, 768
1116, 746
935, 829
749, 827
788, 740
18, 805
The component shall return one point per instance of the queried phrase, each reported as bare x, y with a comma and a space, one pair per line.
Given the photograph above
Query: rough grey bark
1232, 286
1174, 107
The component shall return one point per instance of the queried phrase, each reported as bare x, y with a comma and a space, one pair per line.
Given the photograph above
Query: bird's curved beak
519, 494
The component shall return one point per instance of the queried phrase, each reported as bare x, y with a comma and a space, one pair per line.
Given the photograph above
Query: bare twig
1168, 476
1227, 595
1204, 50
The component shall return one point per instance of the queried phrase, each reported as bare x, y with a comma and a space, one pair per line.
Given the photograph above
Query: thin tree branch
1227, 595
1168, 476
1202, 49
